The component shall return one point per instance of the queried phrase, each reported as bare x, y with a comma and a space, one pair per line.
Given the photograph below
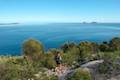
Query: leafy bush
71, 53
80, 74
71, 56
49, 61
89, 47
53, 77
115, 44
68, 46
43, 76
88, 51
34, 60
11, 71
33, 49
111, 63
104, 47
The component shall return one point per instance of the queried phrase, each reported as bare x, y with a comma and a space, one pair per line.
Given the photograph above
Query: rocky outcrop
90, 67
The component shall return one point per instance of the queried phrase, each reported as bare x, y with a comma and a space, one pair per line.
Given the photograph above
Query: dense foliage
111, 64
80, 74
33, 49
35, 59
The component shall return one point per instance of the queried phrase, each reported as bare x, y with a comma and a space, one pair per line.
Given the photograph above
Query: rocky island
9, 23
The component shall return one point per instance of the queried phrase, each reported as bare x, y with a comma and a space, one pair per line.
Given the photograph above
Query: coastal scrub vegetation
80, 74
36, 61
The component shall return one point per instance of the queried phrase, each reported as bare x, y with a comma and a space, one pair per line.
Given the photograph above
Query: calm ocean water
53, 35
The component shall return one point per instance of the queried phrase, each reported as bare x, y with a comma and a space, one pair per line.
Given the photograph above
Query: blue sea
54, 35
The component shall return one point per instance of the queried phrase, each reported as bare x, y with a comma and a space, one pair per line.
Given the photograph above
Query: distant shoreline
9, 23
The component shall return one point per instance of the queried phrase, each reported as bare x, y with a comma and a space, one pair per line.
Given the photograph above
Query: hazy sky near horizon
59, 10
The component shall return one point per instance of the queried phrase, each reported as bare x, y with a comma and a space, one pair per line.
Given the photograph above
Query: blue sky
59, 10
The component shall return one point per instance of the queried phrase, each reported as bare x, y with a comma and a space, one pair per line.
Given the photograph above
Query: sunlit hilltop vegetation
35, 62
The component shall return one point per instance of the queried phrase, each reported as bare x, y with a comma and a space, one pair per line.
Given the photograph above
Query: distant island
89, 22
9, 23
93, 22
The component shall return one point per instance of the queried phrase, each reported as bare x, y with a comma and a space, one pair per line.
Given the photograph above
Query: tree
115, 44
33, 49
104, 47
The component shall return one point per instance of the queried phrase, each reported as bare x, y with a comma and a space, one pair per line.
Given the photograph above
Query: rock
115, 78
92, 64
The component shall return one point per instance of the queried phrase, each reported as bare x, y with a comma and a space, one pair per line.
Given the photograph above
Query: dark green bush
115, 44
104, 47
68, 46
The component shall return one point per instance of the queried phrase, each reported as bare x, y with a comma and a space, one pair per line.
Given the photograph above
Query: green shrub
53, 77
115, 44
71, 56
111, 63
104, 47
11, 71
33, 49
49, 61
89, 47
80, 74
43, 76
68, 59
88, 51
68, 46
104, 68
18, 60
8, 72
